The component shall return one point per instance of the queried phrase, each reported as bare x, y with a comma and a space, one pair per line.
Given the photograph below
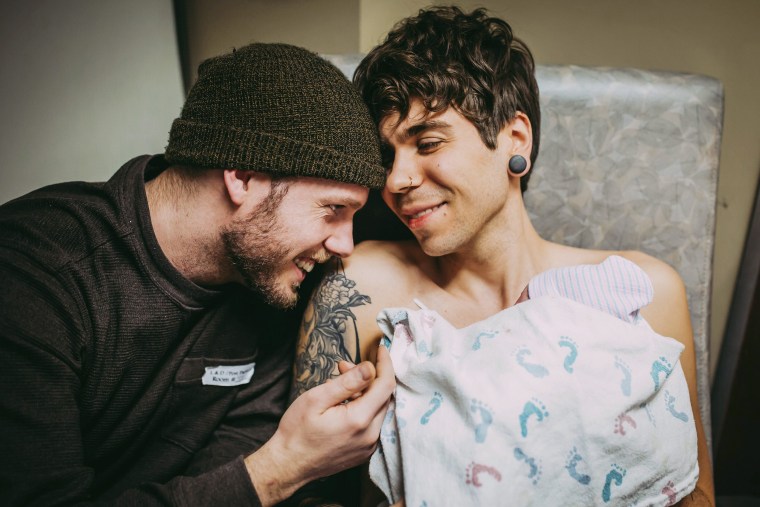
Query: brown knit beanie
277, 109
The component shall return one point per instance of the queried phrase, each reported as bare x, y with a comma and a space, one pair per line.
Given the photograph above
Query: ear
243, 185
519, 136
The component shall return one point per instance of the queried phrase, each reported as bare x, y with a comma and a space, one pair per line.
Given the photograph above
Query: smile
424, 212
305, 264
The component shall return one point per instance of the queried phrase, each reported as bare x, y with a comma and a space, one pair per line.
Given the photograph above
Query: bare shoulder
389, 254
666, 281
339, 321
382, 270
668, 314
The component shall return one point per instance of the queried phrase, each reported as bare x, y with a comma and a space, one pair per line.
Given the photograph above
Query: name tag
228, 375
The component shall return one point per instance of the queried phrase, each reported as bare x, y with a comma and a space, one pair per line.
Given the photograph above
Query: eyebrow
346, 201
353, 203
422, 127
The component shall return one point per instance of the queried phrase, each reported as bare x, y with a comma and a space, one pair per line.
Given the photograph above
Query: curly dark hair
446, 57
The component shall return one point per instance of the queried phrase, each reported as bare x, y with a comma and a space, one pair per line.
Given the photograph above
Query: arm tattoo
326, 330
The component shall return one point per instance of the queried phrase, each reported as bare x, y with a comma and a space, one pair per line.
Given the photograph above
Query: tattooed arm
329, 332
339, 324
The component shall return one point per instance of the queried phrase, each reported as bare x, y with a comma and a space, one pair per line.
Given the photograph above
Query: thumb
343, 387
344, 366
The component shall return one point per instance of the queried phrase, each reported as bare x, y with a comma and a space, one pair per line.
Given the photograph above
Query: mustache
321, 256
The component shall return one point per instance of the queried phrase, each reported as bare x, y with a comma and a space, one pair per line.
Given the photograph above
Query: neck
186, 216
498, 264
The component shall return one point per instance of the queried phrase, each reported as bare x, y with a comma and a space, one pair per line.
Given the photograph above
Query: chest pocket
197, 409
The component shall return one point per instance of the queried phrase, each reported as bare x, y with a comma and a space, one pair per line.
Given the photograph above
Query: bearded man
144, 360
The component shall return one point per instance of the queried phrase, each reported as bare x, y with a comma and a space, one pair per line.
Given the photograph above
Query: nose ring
411, 182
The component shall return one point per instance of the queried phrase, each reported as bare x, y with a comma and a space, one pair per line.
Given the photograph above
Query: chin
276, 293
445, 243
283, 299
433, 248
284, 296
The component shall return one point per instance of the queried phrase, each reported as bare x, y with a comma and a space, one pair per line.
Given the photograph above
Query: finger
375, 398
385, 377
344, 386
344, 366
384, 365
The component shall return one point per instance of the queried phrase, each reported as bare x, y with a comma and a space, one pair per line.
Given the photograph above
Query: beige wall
718, 39
324, 26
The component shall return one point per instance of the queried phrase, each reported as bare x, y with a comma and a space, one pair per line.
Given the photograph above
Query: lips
306, 262
417, 215
424, 212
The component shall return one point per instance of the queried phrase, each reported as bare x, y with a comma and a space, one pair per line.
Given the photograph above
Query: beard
252, 244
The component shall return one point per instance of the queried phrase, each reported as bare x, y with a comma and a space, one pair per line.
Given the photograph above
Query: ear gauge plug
517, 164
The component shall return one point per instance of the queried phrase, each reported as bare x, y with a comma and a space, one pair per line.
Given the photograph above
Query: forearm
273, 480
229, 484
341, 489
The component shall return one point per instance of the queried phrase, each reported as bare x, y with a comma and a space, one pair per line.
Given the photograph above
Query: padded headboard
628, 161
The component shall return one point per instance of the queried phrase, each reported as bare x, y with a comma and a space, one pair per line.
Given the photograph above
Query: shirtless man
456, 103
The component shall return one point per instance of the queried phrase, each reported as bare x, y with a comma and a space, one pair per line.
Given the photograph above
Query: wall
85, 86
324, 26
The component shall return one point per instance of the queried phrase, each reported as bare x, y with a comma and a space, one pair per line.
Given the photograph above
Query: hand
320, 435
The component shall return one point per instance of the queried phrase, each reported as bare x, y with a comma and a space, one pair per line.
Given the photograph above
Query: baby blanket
549, 402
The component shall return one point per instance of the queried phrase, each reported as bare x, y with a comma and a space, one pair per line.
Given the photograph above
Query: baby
566, 398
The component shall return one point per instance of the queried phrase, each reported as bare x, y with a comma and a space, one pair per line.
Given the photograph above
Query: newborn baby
568, 398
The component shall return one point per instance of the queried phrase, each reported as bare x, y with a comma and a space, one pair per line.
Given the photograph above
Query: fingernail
385, 342
365, 370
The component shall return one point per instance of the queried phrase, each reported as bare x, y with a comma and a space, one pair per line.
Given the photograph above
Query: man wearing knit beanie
144, 321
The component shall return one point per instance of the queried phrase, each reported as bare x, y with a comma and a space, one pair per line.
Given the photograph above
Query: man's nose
401, 177
341, 242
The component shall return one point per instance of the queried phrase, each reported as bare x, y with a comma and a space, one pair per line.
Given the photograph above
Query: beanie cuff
225, 147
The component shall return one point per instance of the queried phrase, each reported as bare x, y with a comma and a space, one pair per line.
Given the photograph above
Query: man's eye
426, 146
335, 207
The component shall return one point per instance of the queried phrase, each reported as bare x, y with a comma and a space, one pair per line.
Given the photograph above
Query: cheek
387, 197
310, 234
388, 200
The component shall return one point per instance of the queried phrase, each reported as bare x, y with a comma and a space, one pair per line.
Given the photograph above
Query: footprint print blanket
549, 402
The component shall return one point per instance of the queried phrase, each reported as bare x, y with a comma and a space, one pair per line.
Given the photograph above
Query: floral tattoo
328, 325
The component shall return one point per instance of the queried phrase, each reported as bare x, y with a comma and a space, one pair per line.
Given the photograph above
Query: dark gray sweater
104, 346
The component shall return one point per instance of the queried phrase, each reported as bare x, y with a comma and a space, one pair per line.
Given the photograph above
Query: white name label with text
228, 375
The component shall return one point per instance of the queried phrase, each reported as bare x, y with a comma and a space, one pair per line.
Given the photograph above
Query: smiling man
140, 321
481, 309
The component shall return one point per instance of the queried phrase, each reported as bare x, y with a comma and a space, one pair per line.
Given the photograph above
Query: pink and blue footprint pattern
592, 409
